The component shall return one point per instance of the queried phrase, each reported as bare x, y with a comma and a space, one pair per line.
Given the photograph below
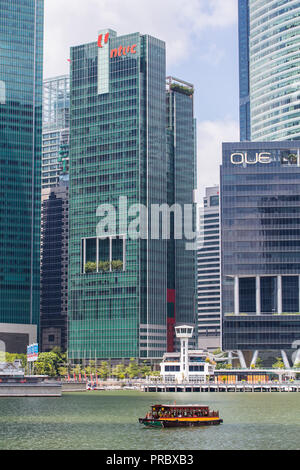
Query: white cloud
211, 135
179, 23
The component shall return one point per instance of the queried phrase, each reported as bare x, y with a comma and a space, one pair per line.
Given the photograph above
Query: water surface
109, 421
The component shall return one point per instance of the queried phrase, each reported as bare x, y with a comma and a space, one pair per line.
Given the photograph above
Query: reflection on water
109, 421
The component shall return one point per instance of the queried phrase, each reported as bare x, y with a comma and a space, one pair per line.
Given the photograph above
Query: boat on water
171, 416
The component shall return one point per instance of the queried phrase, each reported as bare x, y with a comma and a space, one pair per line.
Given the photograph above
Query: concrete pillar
285, 360
236, 296
242, 360
279, 294
297, 357
254, 358
258, 301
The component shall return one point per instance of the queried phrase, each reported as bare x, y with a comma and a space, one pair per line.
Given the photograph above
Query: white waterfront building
192, 366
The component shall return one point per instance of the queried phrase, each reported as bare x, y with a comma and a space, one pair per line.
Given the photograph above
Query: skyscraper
56, 123
260, 220
118, 285
209, 272
181, 173
269, 38
54, 266
21, 68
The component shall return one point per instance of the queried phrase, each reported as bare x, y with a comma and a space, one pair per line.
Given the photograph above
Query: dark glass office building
260, 245
118, 286
21, 68
54, 266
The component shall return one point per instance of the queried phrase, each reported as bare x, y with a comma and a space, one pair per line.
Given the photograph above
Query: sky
202, 48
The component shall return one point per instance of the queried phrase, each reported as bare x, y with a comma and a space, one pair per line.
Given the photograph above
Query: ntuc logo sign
242, 158
118, 52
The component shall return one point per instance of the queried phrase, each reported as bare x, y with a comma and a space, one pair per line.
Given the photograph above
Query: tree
297, 366
119, 371
259, 363
228, 366
104, 370
145, 370
45, 365
133, 369
278, 364
11, 358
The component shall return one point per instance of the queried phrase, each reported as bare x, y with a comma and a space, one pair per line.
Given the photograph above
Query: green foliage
10, 358
182, 89
104, 266
133, 370
117, 265
104, 370
278, 364
259, 363
145, 370
50, 363
228, 366
90, 267
217, 352
297, 366
220, 365
155, 373
119, 371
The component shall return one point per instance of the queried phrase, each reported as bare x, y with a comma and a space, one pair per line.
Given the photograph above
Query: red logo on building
100, 37
121, 51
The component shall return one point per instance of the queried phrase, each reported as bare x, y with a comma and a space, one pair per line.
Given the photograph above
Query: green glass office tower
118, 148
21, 62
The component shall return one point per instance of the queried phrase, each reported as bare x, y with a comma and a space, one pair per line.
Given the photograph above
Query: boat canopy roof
182, 406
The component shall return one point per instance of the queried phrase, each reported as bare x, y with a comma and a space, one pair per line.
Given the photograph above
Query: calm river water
109, 421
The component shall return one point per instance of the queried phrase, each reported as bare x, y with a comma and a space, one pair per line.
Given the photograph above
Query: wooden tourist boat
171, 416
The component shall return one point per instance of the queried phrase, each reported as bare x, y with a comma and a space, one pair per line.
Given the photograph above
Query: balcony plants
103, 266
90, 267
117, 265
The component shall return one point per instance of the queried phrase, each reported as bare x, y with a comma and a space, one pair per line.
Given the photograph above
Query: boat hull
164, 423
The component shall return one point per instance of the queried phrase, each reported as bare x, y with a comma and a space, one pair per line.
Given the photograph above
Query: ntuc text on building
260, 245
123, 144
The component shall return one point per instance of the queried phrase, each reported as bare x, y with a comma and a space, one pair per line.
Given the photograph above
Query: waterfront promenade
210, 387
222, 388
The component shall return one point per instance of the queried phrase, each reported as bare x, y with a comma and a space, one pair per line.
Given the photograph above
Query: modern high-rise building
181, 174
260, 246
120, 296
55, 213
209, 272
54, 266
21, 70
56, 123
269, 39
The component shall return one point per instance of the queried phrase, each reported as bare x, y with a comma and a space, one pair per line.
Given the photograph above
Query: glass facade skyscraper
209, 272
260, 220
181, 171
21, 68
245, 130
56, 123
269, 36
118, 286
